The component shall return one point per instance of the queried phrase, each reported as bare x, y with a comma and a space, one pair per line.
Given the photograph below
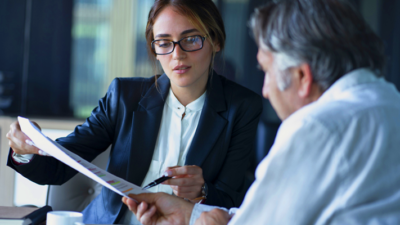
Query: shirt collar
349, 80
196, 105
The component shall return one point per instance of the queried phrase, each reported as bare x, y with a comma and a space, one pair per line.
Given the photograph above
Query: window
108, 41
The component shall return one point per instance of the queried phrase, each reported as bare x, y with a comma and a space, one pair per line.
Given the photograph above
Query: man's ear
305, 80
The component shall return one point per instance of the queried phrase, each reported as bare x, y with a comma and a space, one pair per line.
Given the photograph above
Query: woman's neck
186, 95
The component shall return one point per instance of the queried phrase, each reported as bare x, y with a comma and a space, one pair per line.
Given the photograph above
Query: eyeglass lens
191, 43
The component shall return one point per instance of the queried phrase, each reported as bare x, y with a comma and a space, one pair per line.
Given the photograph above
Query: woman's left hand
187, 181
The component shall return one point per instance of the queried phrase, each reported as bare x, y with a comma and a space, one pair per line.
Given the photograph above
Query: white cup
63, 218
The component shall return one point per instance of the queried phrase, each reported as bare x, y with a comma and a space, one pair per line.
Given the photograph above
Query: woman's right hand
18, 140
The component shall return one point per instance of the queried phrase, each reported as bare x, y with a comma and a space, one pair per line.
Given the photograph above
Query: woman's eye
164, 44
191, 39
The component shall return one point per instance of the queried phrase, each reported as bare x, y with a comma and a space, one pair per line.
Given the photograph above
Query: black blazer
129, 118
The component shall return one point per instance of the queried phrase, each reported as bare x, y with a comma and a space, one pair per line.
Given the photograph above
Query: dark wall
35, 52
12, 21
389, 31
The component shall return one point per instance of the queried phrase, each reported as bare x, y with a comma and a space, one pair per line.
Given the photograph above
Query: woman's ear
217, 47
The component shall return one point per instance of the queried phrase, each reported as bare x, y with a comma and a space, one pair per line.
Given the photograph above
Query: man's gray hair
329, 35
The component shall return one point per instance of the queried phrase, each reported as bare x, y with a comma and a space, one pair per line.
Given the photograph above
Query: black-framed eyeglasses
187, 44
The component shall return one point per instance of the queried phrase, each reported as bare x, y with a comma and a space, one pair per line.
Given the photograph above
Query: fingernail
167, 173
43, 153
29, 142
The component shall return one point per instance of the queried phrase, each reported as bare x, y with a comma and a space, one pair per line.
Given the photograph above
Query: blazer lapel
145, 126
211, 123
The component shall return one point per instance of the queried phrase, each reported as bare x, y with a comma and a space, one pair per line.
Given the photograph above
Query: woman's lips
181, 69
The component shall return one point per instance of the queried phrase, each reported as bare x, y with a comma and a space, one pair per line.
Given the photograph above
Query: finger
184, 170
132, 206
18, 140
43, 153
8, 135
141, 209
17, 136
167, 173
204, 219
186, 190
172, 167
32, 147
147, 216
15, 126
15, 131
21, 147
37, 125
145, 197
185, 182
219, 215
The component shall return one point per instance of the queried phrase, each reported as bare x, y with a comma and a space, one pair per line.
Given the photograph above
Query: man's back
341, 164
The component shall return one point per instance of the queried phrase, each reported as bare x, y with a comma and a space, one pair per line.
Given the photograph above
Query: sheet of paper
99, 175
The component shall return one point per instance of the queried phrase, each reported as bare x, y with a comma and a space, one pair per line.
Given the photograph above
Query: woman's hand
19, 142
187, 181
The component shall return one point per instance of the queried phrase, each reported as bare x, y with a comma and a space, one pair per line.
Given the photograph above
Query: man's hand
159, 208
187, 181
18, 140
213, 217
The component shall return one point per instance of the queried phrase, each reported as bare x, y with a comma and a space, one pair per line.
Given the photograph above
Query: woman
189, 123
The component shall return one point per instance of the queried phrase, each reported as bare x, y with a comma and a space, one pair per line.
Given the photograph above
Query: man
335, 159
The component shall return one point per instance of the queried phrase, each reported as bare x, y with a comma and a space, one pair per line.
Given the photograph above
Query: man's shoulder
336, 115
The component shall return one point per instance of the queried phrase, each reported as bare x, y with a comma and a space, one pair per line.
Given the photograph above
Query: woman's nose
178, 53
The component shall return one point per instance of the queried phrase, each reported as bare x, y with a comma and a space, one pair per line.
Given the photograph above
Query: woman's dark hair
330, 35
203, 14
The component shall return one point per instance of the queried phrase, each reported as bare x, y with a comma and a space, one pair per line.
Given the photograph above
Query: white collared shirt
173, 142
335, 161
174, 138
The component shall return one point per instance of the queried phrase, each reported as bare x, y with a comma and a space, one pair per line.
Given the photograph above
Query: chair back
79, 191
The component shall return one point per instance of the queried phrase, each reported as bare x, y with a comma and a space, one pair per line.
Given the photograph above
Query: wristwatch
204, 190
203, 197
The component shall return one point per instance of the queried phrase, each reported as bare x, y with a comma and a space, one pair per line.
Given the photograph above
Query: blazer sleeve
229, 188
88, 140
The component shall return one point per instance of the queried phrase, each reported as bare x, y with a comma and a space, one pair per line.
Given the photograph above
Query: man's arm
161, 208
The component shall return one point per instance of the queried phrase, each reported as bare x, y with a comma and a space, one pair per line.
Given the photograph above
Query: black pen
156, 182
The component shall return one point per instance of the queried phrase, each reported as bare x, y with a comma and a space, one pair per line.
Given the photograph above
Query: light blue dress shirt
335, 161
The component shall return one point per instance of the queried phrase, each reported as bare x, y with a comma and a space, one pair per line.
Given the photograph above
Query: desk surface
19, 212
15, 212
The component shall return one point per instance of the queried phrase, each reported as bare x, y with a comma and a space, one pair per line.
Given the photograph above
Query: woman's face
184, 69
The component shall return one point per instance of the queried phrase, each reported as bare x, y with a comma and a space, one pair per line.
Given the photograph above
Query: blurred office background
57, 59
